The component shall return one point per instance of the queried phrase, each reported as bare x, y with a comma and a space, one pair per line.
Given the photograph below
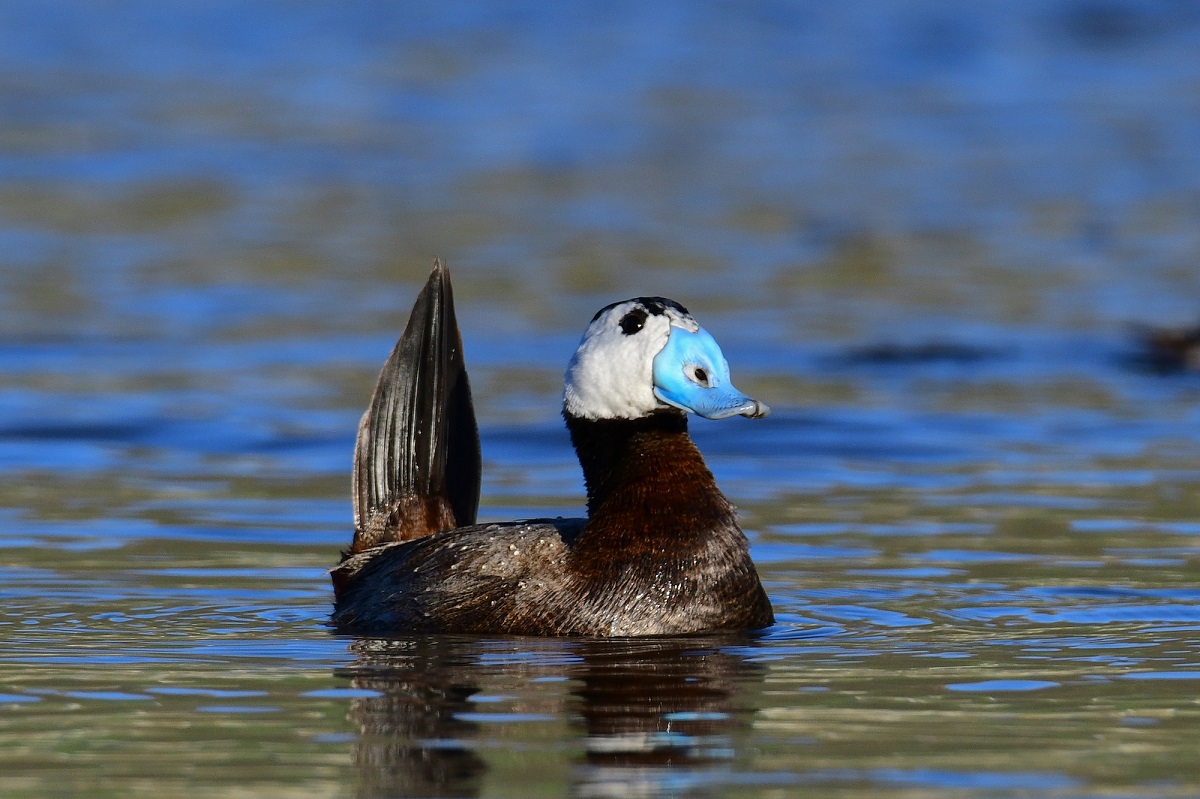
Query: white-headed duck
660, 551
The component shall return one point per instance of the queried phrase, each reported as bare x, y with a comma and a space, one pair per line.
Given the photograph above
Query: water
919, 231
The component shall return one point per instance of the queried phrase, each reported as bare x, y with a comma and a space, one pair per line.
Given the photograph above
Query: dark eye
701, 376
698, 376
633, 321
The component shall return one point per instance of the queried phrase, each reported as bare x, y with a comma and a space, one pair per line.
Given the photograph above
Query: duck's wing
416, 461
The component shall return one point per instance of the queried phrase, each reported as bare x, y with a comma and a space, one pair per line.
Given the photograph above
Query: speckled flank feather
659, 553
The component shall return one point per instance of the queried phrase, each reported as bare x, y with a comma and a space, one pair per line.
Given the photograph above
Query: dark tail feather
416, 462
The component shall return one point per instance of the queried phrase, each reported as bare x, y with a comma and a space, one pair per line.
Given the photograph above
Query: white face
611, 375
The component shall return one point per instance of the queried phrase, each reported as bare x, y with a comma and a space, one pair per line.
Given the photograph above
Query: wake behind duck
660, 551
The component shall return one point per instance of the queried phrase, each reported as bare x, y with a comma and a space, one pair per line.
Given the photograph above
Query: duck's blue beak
690, 373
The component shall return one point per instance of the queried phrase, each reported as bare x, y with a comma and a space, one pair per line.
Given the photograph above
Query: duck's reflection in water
413, 737
652, 717
660, 716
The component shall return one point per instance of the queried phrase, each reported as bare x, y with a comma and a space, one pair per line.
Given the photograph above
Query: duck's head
648, 354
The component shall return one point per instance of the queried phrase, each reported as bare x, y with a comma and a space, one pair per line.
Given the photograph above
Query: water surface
919, 231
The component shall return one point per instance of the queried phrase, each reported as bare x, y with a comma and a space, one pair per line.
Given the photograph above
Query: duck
1168, 349
660, 551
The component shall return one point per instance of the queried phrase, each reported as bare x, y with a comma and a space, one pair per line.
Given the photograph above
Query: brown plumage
660, 552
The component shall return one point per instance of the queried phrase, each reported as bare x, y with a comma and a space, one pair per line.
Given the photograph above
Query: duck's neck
645, 477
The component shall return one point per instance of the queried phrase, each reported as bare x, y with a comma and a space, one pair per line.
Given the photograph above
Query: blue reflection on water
920, 225
1002, 686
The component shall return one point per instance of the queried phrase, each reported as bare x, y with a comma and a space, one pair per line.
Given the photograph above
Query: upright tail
416, 461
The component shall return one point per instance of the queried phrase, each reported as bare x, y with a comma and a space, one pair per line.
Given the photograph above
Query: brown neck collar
646, 467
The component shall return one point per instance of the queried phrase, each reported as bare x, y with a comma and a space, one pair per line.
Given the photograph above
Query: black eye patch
633, 321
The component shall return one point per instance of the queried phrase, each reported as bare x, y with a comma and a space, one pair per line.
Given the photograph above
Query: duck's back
499, 578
